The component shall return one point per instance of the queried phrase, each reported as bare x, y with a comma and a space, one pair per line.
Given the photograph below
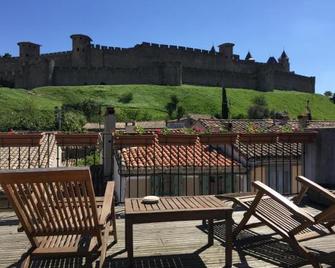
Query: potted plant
215, 138
257, 135
186, 136
74, 139
139, 138
12, 139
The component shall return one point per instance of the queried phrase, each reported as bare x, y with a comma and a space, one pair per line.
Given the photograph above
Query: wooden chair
60, 213
284, 217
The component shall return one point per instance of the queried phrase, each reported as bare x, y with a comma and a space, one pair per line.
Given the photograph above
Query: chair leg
104, 245
242, 224
248, 214
26, 261
114, 223
304, 252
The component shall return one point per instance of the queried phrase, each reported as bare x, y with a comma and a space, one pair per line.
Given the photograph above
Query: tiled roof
274, 150
30, 157
122, 125
269, 125
189, 156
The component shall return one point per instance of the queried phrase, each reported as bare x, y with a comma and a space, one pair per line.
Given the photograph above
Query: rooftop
158, 155
30, 157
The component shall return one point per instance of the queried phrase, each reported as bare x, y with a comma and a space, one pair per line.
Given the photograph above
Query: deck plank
176, 244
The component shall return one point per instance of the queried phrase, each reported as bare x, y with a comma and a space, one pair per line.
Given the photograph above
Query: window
78, 49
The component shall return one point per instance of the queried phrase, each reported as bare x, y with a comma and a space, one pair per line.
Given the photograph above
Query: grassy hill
149, 100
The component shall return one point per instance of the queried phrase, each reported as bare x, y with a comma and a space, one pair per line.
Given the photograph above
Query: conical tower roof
283, 55
249, 56
272, 60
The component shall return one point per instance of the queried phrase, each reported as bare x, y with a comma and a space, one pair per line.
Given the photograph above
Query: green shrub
73, 122
90, 108
126, 97
259, 109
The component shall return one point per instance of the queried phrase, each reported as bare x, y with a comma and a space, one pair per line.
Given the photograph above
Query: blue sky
306, 29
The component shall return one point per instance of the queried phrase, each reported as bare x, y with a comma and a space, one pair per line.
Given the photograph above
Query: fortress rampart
147, 63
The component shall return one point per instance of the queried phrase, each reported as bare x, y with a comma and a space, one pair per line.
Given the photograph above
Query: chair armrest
107, 203
283, 201
316, 187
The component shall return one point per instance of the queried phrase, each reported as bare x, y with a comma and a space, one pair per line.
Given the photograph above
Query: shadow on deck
177, 244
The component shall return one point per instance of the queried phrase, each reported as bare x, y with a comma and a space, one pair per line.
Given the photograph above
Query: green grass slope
151, 99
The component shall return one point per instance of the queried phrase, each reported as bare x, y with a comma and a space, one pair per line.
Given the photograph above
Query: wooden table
182, 208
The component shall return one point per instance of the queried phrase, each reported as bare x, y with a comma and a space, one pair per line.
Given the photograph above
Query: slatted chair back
326, 215
52, 201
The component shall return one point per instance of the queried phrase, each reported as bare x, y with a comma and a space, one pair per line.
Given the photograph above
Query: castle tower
284, 61
29, 52
227, 50
81, 45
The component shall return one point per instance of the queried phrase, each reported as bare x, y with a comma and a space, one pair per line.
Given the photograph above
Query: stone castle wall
146, 63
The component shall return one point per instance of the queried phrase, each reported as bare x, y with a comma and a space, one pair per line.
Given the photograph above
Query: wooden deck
176, 244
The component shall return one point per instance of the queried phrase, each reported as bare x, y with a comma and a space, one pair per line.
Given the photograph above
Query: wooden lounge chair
59, 212
284, 217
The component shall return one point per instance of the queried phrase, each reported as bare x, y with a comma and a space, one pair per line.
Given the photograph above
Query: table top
176, 204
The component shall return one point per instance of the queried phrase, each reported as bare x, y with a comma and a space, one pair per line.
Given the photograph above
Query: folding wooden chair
284, 217
60, 213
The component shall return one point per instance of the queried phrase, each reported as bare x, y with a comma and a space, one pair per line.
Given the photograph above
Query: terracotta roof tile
157, 155
25, 157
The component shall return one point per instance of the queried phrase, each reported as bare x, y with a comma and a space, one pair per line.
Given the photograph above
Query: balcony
155, 165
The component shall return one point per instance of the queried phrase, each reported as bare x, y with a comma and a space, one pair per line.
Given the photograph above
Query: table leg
210, 232
229, 239
129, 240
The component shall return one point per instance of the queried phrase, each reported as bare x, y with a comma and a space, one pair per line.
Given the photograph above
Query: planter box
84, 139
177, 139
217, 138
129, 140
297, 137
261, 138
20, 140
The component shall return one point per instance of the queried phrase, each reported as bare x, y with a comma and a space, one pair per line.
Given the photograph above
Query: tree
180, 112
259, 109
73, 122
225, 106
172, 105
89, 107
170, 108
328, 94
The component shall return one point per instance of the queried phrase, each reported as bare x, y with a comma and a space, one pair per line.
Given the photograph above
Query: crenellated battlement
107, 48
56, 54
175, 48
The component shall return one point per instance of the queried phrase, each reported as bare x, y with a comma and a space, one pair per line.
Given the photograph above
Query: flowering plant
252, 128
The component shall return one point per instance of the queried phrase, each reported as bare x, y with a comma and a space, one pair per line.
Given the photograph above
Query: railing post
108, 153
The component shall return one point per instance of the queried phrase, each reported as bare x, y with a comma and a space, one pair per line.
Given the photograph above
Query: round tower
81, 45
29, 52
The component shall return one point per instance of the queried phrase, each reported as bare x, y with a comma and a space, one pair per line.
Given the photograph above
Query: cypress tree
225, 106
